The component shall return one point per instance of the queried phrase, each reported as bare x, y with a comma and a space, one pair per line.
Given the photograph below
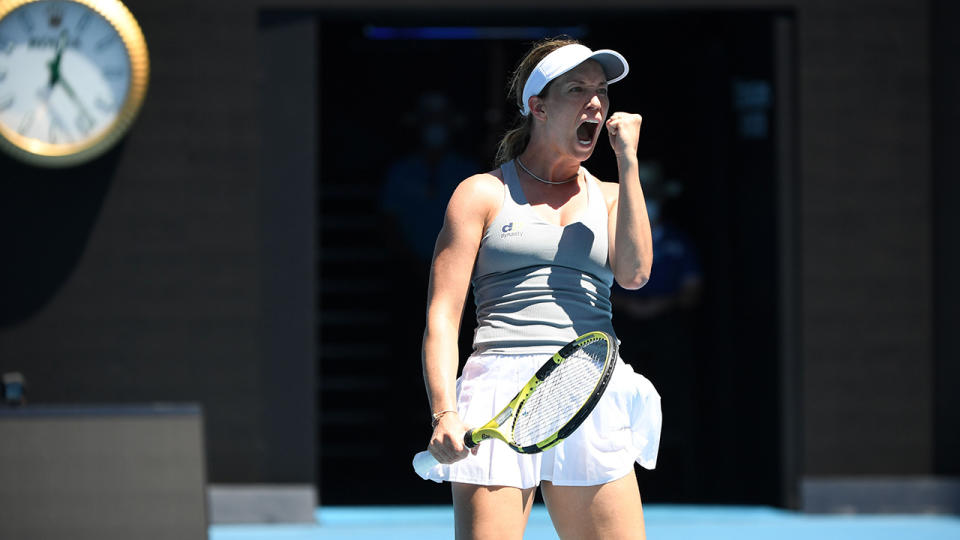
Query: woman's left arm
631, 246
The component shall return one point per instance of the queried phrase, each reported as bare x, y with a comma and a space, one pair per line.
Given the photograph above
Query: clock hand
55, 63
56, 77
73, 96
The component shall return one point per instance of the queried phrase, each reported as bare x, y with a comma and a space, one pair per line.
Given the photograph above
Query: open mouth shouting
587, 131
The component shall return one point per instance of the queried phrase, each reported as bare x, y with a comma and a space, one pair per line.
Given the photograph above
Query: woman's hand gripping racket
553, 404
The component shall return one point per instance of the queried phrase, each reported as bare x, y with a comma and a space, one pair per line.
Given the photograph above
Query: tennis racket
553, 404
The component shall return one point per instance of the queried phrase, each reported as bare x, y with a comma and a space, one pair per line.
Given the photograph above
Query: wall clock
73, 74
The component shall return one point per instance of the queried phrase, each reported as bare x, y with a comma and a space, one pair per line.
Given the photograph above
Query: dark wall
866, 257
945, 17
288, 216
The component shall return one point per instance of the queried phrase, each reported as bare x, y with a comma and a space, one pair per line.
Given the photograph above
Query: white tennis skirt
623, 428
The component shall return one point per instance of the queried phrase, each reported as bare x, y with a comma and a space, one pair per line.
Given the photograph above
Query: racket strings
561, 395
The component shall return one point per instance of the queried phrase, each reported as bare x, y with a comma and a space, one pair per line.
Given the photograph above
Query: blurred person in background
677, 283
418, 185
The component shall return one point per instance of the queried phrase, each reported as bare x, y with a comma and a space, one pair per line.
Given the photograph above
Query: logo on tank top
514, 228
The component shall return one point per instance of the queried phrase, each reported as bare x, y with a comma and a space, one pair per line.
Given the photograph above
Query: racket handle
423, 462
468, 439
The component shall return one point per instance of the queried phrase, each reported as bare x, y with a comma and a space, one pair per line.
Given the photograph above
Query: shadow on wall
46, 217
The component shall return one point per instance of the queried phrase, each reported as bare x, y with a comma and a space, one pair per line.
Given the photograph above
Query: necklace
528, 171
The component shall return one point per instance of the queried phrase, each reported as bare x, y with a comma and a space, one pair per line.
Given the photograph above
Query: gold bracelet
438, 415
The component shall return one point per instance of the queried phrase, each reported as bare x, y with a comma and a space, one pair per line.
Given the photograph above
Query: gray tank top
538, 286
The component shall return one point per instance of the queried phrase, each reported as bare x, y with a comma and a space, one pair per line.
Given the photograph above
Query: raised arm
631, 245
470, 208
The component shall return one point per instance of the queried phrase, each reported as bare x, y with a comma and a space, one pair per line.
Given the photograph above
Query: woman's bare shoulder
484, 184
480, 195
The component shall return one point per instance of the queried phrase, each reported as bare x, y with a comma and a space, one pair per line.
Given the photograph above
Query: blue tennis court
664, 522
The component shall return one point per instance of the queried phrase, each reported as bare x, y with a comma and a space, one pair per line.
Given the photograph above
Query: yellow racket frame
501, 426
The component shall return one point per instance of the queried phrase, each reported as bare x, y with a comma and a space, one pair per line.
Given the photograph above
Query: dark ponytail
515, 140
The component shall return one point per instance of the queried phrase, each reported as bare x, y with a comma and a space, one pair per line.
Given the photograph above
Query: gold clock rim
62, 155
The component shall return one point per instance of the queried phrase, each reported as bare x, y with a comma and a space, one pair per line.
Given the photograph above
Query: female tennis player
541, 240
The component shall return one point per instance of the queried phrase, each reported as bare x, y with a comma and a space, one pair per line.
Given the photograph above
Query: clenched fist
623, 129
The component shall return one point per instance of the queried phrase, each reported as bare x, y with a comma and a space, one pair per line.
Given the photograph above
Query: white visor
566, 58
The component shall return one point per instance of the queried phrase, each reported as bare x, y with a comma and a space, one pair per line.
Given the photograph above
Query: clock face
68, 84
